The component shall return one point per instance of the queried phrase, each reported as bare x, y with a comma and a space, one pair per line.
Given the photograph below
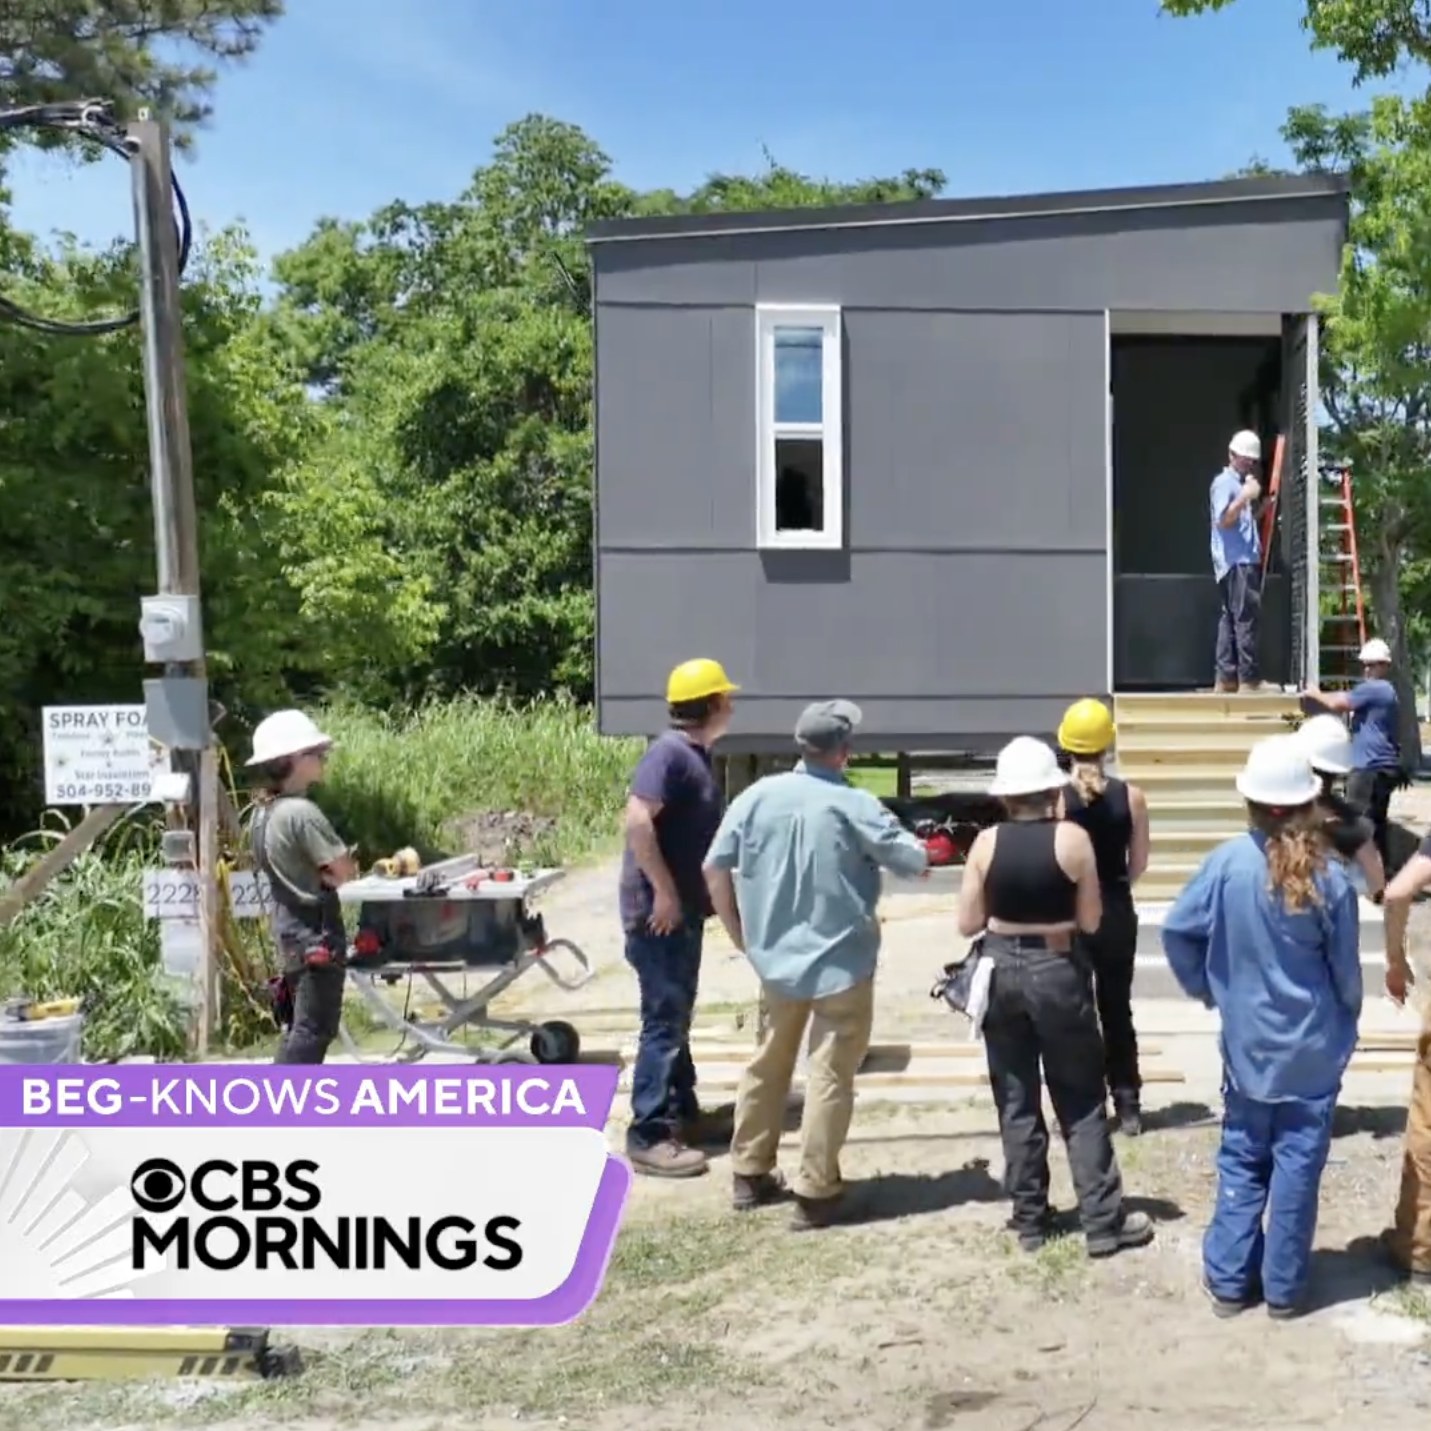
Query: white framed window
799, 428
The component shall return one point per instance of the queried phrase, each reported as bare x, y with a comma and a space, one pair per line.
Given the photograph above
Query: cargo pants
1410, 1237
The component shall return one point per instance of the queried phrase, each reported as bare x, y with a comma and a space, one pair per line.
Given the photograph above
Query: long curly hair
1296, 852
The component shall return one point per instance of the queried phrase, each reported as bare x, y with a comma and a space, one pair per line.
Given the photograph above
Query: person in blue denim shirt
672, 813
794, 875
1266, 932
1237, 563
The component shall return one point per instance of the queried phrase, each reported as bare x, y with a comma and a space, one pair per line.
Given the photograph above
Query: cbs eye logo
158, 1186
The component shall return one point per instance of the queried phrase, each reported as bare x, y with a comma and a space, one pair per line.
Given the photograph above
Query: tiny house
950, 459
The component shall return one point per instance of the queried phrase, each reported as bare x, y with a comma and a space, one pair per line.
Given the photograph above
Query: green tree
128, 51
77, 544
1377, 349
453, 345
1375, 37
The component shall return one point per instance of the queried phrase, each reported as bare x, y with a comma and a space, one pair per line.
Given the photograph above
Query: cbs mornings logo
221, 1216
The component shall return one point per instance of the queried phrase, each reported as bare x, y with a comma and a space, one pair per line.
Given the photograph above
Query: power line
91, 120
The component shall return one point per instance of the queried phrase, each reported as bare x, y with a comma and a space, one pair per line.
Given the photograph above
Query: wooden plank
57, 860
876, 1081
208, 1012
1388, 1043
715, 1048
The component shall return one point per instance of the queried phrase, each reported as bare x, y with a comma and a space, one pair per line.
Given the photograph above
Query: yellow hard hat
695, 680
1086, 728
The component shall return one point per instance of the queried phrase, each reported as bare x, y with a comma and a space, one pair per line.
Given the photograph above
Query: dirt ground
922, 1314
919, 1315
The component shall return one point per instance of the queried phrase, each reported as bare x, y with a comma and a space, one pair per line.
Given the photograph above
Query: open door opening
1176, 401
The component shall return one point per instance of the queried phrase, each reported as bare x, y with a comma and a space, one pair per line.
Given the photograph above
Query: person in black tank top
1115, 815
1030, 886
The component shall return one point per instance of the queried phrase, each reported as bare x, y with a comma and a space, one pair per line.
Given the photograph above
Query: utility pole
177, 702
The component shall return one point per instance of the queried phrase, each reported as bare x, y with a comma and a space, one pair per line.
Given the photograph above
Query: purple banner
268, 1095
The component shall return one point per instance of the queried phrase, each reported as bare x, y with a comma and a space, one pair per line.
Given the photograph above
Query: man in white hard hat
1375, 736
305, 861
1237, 563
1351, 835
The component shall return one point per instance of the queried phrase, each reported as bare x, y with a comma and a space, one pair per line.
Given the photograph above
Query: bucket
54, 1040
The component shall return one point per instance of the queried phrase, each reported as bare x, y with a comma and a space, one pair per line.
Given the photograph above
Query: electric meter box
172, 628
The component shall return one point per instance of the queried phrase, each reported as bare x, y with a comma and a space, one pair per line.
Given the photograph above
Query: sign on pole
100, 755
174, 894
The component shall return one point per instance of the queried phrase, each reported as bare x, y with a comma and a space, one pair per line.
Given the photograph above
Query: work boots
1136, 1230
749, 1193
671, 1159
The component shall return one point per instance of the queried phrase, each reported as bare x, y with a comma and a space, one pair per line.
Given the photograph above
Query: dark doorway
1176, 403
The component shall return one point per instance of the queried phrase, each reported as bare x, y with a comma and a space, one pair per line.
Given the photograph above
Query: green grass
414, 779
552, 786
654, 1332
86, 937
879, 774
879, 780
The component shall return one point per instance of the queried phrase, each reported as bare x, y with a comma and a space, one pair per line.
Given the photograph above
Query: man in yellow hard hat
672, 813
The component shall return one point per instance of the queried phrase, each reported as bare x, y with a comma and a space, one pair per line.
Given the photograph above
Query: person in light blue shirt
1266, 932
794, 875
1237, 563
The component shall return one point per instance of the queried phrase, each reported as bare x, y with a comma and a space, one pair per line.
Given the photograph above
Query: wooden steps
1184, 749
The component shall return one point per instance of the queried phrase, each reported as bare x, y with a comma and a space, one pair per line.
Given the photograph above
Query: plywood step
1217, 740
1227, 759
1195, 705
1178, 844
1165, 878
1220, 809
1186, 781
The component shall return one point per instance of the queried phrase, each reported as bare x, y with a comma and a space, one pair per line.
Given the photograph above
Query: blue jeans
1271, 1161
663, 1082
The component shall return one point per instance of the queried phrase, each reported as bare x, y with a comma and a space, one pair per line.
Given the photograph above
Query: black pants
1370, 791
1112, 953
317, 992
1241, 593
1041, 1012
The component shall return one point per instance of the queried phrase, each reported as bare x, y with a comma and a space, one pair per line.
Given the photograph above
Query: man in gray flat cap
794, 875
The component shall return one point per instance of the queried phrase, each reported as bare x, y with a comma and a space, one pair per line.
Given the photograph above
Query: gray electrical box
172, 628
177, 708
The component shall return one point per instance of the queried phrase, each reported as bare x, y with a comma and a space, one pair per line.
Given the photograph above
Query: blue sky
351, 103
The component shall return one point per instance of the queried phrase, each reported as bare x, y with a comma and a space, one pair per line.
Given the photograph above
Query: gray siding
1268, 257
976, 485
970, 601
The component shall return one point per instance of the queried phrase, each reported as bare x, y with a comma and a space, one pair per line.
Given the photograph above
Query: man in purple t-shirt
672, 814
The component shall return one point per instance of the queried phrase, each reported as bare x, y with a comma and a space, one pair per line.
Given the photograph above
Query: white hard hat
1246, 444
283, 734
1026, 767
1325, 742
1375, 652
1278, 774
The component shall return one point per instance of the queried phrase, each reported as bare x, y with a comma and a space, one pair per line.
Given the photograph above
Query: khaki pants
1410, 1239
839, 1039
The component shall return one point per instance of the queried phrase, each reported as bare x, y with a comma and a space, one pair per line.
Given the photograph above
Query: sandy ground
920, 1313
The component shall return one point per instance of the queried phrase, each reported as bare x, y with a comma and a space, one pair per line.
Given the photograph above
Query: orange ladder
1269, 510
1343, 632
